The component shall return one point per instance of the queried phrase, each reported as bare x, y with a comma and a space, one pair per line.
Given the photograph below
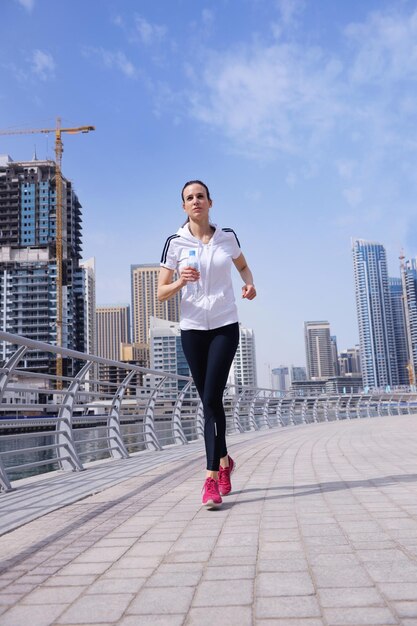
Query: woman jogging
202, 254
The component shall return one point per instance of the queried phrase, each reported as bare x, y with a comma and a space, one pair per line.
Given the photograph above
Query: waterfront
90, 445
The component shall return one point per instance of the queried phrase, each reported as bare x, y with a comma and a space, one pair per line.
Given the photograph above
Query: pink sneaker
211, 496
225, 486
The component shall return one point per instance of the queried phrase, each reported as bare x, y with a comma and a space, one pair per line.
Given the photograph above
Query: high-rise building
297, 374
87, 305
280, 378
400, 333
318, 345
409, 284
349, 361
335, 356
28, 297
145, 304
112, 330
243, 370
373, 305
166, 351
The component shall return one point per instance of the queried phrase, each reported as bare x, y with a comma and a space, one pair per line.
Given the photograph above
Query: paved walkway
321, 530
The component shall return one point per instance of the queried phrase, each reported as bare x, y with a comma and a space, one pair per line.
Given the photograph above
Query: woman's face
196, 204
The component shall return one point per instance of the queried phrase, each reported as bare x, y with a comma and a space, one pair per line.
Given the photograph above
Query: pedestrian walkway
321, 530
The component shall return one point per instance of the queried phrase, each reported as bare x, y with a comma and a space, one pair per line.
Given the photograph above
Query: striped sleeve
236, 251
169, 257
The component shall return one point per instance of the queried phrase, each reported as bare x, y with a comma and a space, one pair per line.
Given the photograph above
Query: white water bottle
192, 262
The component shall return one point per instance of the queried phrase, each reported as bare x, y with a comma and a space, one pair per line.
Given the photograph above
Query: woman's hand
249, 292
189, 275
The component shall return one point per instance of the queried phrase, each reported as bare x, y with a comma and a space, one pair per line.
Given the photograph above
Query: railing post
304, 411
252, 424
337, 407
326, 410
199, 420
265, 411
64, 434
291, 413
279, 411
8, 368
114, 434
315, 409
236, 418
347, 407
149, 435
368, 407
4, 479
177, 429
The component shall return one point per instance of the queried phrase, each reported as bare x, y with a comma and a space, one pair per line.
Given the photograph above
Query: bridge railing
113, 409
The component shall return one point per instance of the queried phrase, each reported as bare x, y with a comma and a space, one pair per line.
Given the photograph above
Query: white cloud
113, 60
269, 97
27, 4
207, 16
290, 10
385, 47
43, 64
149, 33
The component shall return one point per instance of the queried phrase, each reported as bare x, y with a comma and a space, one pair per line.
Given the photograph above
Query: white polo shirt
215, 305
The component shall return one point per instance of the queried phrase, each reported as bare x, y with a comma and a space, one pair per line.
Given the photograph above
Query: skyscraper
28, 259
87, 305
112, 330
409, 284
144, 284
319, 354
400, 333
243, 370
350, 361
280, 378
373, 306
166, 351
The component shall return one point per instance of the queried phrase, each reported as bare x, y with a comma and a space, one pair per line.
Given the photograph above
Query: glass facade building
28, 296
409, 284
375, 320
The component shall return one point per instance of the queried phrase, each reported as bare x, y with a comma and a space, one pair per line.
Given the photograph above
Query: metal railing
49, 422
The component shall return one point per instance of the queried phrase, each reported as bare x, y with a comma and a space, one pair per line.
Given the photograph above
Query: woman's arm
167, 288
248, 289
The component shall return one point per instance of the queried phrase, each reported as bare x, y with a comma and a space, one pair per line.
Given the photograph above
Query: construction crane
411, 376
59, 148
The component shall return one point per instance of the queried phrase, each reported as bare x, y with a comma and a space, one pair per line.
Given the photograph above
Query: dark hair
195, 182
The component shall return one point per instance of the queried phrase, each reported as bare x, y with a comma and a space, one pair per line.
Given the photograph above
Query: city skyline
298, 119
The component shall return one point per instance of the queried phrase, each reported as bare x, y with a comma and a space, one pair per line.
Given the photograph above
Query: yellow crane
59, 148
411, 375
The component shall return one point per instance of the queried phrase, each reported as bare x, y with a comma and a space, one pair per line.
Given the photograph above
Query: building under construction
28, 269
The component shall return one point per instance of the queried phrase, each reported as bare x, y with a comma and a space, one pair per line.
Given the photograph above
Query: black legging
210, 354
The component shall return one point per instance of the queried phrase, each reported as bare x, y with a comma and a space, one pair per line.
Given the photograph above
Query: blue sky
300, 115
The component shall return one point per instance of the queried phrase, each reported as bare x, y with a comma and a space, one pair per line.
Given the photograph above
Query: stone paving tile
239, 593
350, 597
287, 607
399, 591
306, 621
53, 595
152, 620
94, 609
347, 576
406, 609
362, 616
236, 615
152, 602
35, 615
229, 572
284, 584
